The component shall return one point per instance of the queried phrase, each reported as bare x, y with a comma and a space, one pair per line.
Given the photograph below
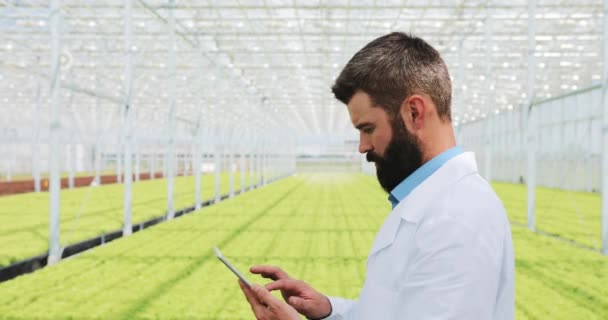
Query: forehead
362, 110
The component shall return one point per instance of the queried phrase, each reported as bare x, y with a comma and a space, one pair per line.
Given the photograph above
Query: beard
402, 157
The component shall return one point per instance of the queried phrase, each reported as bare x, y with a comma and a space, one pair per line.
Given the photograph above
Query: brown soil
23, 186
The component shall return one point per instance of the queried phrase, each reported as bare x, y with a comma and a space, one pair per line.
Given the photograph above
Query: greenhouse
137, 135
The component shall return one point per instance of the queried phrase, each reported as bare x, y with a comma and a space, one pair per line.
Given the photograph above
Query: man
445, 251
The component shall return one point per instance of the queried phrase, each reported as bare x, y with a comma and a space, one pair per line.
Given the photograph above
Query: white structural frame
170, 156
604, 166
128, 124
530, 116
54, 137
488, 95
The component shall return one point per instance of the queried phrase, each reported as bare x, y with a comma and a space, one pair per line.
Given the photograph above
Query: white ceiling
271, 63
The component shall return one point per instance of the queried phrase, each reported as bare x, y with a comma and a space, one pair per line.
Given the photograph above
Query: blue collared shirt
426, 170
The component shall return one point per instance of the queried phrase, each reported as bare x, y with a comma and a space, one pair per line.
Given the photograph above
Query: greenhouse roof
271, 63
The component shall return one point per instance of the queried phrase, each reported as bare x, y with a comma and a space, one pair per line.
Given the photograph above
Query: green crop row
569, 214
90, 211
317, 227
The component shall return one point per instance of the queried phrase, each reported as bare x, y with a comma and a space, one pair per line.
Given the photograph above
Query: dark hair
393, 67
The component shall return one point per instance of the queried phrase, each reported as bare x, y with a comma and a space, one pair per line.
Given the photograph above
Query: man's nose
364, 145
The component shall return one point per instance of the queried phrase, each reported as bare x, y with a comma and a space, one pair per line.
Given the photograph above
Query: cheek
381, 141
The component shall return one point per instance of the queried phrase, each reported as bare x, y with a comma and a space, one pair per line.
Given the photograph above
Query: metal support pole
250, 166
529, 114
488, 96
153, 165
231, 168
129, 112
604, 174
170, 135
36, 140
197, 175
265, 170
258, 180
98, 116
54, 136
198, 136
97, 162
243, 172
218, 171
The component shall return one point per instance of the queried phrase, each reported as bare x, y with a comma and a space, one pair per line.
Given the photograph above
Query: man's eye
368, 130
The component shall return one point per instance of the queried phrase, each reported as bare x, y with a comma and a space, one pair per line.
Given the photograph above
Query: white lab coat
444, 252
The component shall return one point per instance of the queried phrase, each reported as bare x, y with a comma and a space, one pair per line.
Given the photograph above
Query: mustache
372, 157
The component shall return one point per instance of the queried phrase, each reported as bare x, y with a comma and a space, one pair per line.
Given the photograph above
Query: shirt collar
406, 186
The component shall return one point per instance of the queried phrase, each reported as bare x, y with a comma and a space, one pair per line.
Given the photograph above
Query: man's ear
413, 112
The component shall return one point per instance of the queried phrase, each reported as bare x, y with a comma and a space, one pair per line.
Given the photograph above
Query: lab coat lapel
411, 208
387, 233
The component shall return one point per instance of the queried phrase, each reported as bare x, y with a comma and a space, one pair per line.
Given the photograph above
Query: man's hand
265, 306
298, 294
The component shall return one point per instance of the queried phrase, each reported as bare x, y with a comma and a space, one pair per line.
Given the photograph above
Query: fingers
296, 302
270, 272
291, 285
250, 295
258, 295
265, 297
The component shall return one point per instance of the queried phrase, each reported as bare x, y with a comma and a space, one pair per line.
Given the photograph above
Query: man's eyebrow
363, 124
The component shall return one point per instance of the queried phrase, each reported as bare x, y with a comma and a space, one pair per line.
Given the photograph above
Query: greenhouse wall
568, 135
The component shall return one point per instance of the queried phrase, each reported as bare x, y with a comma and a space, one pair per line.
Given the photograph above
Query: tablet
223, 259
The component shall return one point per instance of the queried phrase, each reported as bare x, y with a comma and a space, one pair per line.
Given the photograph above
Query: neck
441, 139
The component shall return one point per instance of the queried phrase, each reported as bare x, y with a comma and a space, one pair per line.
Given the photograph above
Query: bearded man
445, 251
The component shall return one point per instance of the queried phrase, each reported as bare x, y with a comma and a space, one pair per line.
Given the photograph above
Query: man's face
395, 151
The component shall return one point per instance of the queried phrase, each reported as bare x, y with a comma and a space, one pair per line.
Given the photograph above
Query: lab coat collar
406, 186
411, 207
